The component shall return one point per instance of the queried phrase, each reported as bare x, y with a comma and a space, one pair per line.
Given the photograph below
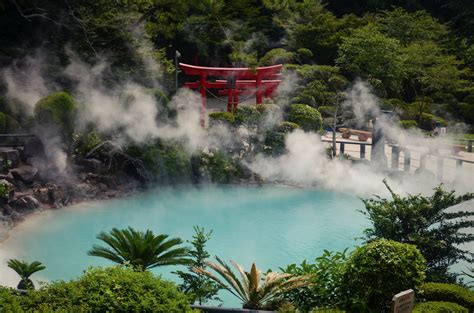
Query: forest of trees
418, 55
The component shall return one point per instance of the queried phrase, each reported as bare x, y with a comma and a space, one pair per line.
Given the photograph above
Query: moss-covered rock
308, 118
58, 108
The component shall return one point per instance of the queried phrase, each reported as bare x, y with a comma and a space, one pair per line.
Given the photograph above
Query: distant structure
261, 81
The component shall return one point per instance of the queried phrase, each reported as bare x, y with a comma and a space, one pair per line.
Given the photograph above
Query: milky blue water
273, 226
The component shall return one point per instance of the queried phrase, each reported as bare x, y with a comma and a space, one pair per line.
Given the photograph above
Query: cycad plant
141, 250
25, 270
254, 290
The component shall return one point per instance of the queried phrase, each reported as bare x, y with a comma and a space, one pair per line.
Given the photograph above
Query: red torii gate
240, 80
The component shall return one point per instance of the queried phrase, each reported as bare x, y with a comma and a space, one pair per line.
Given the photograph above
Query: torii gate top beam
237, 72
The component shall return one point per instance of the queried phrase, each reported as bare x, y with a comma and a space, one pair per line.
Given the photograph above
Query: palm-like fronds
253, 290
25, 270
142, 250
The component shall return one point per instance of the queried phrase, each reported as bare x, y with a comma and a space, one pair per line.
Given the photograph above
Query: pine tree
201, 289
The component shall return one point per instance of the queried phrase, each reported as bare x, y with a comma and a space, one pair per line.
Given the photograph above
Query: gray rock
10, 157
26, 203
42, 194
90, 165
107, 180
25, 173
8, 177
7, 210
17, 217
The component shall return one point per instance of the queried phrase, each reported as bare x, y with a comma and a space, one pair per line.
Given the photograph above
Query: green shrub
275, 56
438, 307
111, 289
9, 300
247, 115
377, 271
222, 117
306, 117
58, 108
408, 124
214, 166
84, 143
274, 142
328, 271
449, 293
428, 121
467, 112
8, 124
167, 162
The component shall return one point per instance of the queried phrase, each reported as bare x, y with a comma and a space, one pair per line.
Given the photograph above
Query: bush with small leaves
377, 271
408, 124
59, 109
308, 118
110, 289
213, 166
226, 118
327, 271
247, 115
439, 307
274, 142
10, 301
449, 293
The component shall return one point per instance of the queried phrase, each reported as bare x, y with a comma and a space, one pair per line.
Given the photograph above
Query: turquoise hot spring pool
271, 225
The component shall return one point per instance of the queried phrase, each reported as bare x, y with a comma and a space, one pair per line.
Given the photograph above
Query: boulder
90, 165
57, 194
108, 180
26, 203
8, 177
7, 210
42, 194
10, 157
25, 173
17, 217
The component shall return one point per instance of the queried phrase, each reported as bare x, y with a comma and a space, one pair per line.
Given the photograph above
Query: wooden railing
407, 155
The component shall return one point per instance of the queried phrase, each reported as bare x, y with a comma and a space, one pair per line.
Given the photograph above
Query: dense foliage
424, 222
417, 52
448, 293
327, 272
306, 117
439, 307
57, 109
113, 289
377, 271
